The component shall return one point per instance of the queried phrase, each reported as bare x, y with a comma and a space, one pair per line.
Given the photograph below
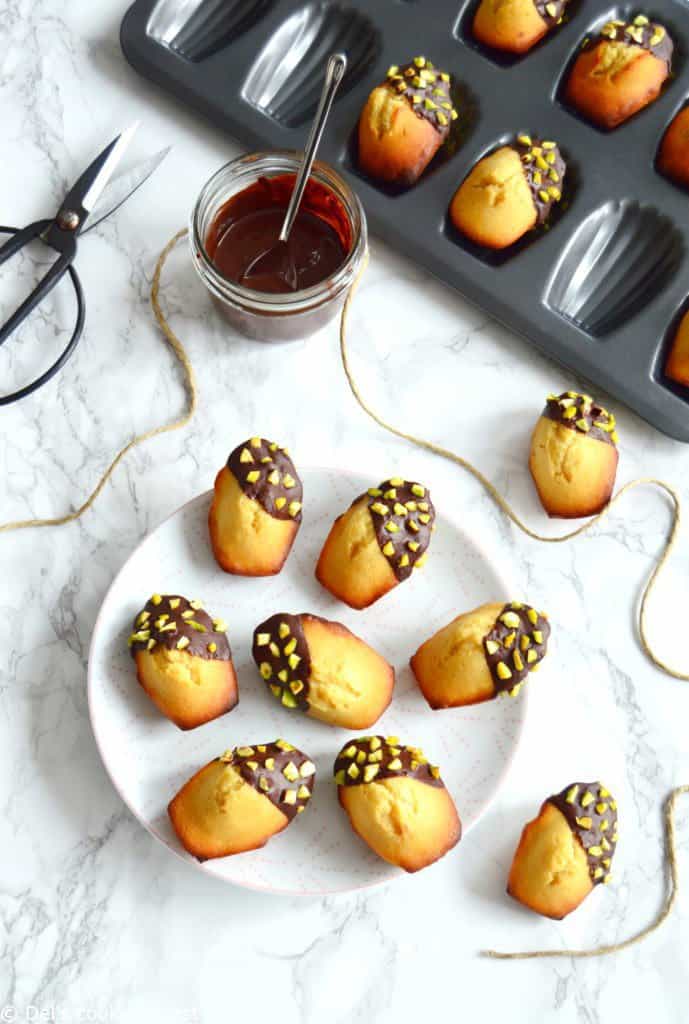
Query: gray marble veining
97, 922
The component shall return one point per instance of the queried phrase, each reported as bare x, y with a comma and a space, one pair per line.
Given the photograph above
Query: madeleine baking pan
599, 291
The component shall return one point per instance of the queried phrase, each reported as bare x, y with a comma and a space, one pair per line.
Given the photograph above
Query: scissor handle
67, 249
62, 266
21, 238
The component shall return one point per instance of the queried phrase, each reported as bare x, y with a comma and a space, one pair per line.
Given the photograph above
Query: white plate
148, 758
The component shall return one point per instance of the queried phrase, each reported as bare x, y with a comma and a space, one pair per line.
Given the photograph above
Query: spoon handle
337, 65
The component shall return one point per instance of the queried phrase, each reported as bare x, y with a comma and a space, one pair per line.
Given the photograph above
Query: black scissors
94, 197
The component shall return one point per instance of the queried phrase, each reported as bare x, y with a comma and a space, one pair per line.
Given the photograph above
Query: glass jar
265, 316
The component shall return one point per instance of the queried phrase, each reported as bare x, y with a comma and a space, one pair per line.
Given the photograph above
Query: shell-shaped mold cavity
198, 28
287, 77
615, 263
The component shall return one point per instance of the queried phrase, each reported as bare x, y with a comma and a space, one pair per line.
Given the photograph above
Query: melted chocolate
544, 170
374, 758
178, 624
639, 32
248, 225
581, 413
282, 654
266, 474
515, 645
427, 90
591, 814
277, 770
403, 520
551, 11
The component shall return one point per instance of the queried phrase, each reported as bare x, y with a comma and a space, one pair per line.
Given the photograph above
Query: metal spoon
278, 260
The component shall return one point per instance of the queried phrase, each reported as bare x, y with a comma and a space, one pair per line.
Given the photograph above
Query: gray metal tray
600, 291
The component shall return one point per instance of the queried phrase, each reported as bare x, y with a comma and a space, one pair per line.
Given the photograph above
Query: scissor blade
82, 197
106, 171
123, 186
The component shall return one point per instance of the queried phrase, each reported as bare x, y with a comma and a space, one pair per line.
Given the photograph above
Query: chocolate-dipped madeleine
378, 542
673, 153
509, 192
566, 850
183, 660
405, 121
677, 362
256, 509
323, 669
514, 26
396, 801
620, 70
241, 799
481, 654
573, 458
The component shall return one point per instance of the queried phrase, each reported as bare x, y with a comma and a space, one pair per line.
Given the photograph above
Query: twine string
615, 947
192, 400
502, 503
507, 509
188, 414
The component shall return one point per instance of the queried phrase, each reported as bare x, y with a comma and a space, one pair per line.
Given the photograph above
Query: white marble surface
97, 921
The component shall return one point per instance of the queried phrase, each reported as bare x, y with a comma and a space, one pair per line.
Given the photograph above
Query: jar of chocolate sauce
237, 219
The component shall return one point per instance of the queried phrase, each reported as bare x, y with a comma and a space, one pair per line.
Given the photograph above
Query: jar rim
280, 161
